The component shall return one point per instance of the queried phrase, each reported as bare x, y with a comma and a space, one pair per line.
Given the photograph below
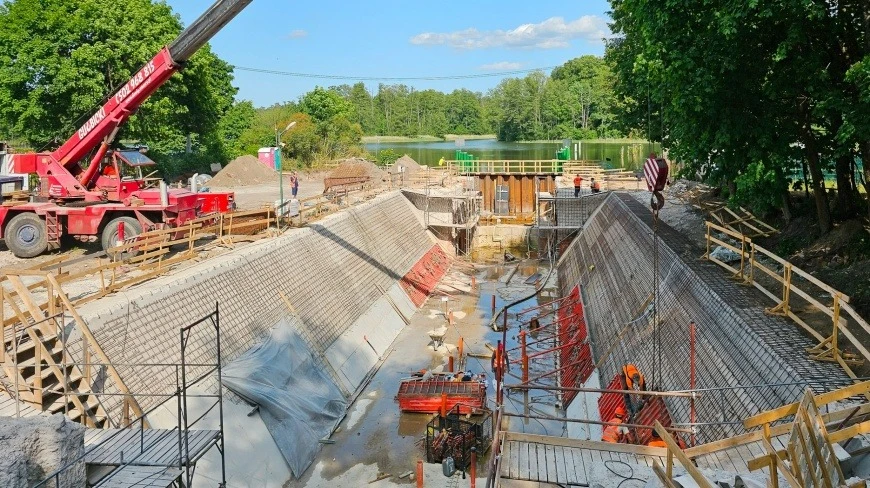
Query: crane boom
102, 125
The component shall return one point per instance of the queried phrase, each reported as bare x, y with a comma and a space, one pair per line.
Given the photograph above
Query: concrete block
35, 447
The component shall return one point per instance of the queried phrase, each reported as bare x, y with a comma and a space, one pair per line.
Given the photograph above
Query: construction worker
615, 433
656, 441
596, 186
632, 379
578, 182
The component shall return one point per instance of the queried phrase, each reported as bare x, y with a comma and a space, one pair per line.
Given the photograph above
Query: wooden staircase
36, 358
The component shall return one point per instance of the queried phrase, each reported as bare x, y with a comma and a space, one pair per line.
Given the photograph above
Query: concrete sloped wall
337, 275
737, 344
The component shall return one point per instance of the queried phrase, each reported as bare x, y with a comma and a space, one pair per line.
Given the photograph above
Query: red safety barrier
574, 353
608, 402
422, 279
654, 409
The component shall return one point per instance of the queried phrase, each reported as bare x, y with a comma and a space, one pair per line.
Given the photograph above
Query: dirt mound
244, 171
410, 166
354, 171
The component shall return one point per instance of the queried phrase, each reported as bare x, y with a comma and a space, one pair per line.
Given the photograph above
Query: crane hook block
657, 201
656, 172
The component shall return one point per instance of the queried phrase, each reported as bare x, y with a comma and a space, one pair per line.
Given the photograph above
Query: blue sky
382, 38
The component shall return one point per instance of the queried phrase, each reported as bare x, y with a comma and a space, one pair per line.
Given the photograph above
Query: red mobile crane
97, 199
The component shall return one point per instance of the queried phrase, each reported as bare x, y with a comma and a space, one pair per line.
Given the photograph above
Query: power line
390, 78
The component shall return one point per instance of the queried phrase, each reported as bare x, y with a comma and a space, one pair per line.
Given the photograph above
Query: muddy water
508, 282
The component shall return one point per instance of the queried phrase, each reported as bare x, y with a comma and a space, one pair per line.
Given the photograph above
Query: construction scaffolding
137, 454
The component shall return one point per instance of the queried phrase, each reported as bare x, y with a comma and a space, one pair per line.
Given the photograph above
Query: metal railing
183, 425
543, 166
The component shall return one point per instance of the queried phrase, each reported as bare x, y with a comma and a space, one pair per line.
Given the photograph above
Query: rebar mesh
736, 343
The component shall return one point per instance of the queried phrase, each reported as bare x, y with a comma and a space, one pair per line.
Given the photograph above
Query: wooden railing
46, 329
809, 443
753, 258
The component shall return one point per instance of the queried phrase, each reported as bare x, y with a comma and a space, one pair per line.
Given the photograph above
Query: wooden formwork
808, 458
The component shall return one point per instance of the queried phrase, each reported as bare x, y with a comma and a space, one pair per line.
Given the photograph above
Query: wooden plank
543, 467
821, 399
849, 432
562, 464
86, 331
523, 456
681, 457
533, 461
587, 444
573, 457
512, 455
781, 468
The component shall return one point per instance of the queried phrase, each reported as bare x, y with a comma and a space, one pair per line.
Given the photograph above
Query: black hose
625, 478
532, 295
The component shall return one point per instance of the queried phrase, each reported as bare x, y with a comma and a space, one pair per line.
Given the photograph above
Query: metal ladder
53, 230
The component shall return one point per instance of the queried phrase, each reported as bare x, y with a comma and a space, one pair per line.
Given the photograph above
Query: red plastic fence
575, 355
654, 409
425, 275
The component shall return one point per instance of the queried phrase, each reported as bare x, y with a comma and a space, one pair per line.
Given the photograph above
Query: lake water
612, 154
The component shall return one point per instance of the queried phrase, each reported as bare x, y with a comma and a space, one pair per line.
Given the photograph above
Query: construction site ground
375, 439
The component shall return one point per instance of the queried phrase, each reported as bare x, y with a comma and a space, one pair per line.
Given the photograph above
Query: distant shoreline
453, 137
447, 137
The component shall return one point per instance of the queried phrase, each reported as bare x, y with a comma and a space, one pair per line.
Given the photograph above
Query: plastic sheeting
299, 402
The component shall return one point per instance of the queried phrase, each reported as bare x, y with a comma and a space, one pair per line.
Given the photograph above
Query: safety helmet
620, 412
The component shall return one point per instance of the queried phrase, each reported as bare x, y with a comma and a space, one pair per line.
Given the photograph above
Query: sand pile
407, 162
244, 171
354, 171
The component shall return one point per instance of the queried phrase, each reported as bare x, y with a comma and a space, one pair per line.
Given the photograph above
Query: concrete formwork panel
736, 343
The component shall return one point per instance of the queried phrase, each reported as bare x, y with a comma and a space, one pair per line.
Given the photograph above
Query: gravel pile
244, 171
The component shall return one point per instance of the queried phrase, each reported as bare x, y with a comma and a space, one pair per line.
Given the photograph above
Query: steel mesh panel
736, 343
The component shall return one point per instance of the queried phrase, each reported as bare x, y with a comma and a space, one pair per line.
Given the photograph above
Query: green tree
59, 59
322, 104
735, 84
302, 140
232, 125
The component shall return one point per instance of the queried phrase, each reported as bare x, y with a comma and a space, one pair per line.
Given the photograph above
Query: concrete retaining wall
737, 344
501, 236
336, 274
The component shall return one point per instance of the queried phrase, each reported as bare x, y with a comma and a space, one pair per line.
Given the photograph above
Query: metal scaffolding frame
181, 467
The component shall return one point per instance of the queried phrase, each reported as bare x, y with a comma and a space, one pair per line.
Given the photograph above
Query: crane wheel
109, 238
26, 235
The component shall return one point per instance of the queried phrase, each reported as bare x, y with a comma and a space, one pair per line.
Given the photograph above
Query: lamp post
280, 168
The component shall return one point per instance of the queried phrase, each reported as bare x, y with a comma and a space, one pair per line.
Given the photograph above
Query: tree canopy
60, 59
746, 93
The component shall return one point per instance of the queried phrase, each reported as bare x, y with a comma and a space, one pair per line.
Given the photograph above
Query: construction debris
244, 171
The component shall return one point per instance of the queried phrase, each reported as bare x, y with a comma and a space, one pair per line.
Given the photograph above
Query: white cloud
550, 34
501, 66
297, 34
